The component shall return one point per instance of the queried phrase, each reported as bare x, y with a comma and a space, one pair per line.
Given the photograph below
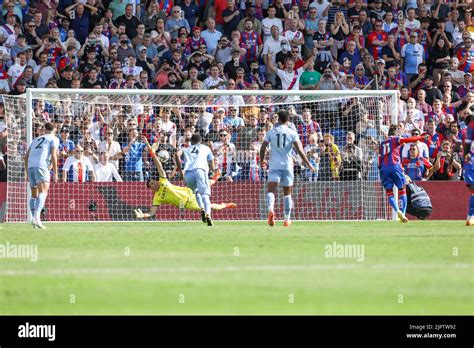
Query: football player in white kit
281, 139
41, 155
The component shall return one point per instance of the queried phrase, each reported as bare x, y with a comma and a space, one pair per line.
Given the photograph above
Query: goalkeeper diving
167, 193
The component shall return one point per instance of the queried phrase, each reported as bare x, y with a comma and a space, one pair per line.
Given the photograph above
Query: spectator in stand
323, 41
66, 147
432, 92
412, 55
390, 81
15, 72
78, 168
421, 103
339, 29
467, 85
415, 166
307, 127
134, 151
138, 39
176, 22
79, 21
310, 78
211, 35
111, 147
466, 56
361, 80
333, 154
118, 82
257, 25
252, 42
350, 140
365, 23
290, 77
144, 62
351, 164
352, 53
106, 171
213, 81
389, 52
457, 76
447, 87
441, 59
447, 165
435, 138
225, 152
419, 81
45, 70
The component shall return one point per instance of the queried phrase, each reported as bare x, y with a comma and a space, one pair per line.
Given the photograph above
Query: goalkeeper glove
214, 176
138, 213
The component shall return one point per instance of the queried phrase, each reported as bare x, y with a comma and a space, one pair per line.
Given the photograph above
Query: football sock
270, 201
40, 205
403, 200
199, 200
207, 204
288, 202
33, 201
391, 200
471, 205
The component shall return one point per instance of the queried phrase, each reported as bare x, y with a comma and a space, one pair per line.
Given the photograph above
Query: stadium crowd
421, 48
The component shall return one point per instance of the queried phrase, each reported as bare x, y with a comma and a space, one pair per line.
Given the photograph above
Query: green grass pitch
239, 268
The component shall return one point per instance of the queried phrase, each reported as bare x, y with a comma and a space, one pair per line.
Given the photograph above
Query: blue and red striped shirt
376, 50
250, 41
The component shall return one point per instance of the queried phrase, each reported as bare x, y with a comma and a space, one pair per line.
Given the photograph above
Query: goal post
346, 186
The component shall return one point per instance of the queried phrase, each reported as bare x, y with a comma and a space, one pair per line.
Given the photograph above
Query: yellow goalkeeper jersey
171, 194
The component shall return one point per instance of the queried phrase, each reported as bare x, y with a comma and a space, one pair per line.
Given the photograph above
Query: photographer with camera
223, 50
125, 49
351, 166
447, 164
45, 70
93, 44
328, 81
52, 46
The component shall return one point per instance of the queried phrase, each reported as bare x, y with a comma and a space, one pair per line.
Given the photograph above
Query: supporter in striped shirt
415, 166
308, 127
252, 42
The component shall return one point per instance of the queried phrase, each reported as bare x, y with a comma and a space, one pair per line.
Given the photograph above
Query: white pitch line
248, 268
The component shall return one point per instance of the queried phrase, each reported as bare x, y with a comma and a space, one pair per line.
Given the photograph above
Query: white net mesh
340, 135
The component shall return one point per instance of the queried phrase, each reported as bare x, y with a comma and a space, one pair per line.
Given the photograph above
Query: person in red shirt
219, 7
377, 40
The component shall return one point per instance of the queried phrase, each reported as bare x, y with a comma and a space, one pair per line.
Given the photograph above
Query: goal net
339, 130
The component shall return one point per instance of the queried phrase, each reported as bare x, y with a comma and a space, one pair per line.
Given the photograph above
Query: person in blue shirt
412, 54
134, 152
